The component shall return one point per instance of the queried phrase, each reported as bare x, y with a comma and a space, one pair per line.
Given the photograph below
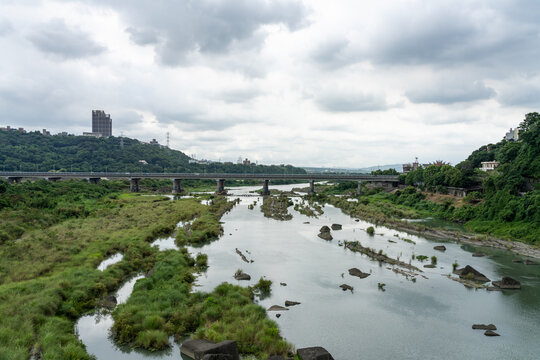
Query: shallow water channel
430, 318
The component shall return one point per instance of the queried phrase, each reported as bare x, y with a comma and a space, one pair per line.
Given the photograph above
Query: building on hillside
246, 162
154, 142
45, 132
489, 165
512, 135
410, 167
101, 123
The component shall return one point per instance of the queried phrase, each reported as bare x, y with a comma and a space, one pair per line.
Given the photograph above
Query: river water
429, 318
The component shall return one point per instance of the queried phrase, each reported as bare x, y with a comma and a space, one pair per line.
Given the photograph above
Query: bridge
134, 178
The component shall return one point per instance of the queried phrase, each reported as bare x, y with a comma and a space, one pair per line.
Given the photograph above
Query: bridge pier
54, 178
14, 179
177, 186
265, 190
134, 184
94, 180
311, 187
359, 188
220, 187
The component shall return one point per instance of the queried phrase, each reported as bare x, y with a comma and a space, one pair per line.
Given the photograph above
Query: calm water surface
427, 319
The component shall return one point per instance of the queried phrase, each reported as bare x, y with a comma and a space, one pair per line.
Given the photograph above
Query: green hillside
36, 152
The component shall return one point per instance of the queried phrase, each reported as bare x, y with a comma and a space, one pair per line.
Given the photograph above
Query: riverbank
391, 216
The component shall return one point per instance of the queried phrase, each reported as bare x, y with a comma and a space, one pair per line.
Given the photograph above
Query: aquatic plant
370, 230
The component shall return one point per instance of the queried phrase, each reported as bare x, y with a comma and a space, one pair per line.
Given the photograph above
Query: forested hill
34, 151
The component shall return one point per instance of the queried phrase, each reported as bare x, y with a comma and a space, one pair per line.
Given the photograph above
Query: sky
309, 83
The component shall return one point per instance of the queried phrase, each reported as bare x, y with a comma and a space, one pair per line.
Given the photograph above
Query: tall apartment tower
101, 123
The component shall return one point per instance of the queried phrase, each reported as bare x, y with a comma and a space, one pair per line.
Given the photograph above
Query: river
429, 318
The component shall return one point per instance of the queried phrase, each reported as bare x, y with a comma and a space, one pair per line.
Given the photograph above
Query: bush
370, 230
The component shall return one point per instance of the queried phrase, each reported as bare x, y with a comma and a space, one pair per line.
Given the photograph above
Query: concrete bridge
134, 178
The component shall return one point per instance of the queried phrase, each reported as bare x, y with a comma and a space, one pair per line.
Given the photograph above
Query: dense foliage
35, 152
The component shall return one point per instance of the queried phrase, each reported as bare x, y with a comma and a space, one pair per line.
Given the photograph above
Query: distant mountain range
316, 170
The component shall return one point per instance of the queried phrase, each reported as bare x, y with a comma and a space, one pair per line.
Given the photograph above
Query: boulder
278, 315
440, 247
217, 357
517, 261
357, 220
325, 236
430, 266
306, 222
314, 353
470, 273
108, 301
491, 333
478, 254
484, 327
493, 288
346, 287
324, 229
197, 349
277, 308
357, 272
530, 262
291, 303
242, 276
283, 284
336, 226
507, 283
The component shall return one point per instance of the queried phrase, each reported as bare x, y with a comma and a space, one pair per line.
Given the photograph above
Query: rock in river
291, 303
484, 327
440, 247
336, 226
530, 262
239, 275
507, 283
470, 273
491, 333
346, 287
314, 353
430, 266
324, 229
277, 308
478, 254
357, 272
325, 236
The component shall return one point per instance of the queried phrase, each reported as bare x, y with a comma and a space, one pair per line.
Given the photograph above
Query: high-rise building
101, 123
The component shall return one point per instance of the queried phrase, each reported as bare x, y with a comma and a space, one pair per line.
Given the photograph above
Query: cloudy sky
312, 83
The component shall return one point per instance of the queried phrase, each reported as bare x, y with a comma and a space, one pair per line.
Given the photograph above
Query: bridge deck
189, 176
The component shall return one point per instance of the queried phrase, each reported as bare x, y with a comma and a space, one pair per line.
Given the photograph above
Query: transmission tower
167, 139
122, 140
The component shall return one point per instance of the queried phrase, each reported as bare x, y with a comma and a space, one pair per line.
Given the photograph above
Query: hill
35, 152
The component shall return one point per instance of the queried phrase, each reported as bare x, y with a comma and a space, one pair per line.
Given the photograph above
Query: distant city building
101, 123
246, 162
489, 165
9, 128
94, 134
512, 135
45, 132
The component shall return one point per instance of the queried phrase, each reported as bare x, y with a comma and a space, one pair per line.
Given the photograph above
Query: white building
489, 165
512, 135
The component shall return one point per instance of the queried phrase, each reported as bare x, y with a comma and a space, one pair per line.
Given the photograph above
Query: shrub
370, 230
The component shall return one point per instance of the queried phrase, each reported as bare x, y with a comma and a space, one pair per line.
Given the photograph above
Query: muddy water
430, 318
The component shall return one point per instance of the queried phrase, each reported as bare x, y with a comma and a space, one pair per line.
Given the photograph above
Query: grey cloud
203, 26
143, 36
331, 53
57, 39
198, 122
351, 102
238, 95
5, 27
522, 94
450, 92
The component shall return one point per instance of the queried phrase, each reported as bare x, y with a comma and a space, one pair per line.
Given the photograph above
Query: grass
163, 305
275, 207
48, 277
